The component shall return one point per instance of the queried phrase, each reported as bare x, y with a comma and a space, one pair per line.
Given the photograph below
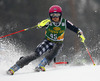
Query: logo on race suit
57, 28
70, 22
63, 24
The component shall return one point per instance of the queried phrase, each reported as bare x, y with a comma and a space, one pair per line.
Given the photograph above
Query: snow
64, 73
68, 72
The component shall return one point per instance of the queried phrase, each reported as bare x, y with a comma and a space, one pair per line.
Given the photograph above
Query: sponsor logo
57, 28
63, 24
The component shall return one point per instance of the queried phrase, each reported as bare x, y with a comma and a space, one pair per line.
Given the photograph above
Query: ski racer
54, 35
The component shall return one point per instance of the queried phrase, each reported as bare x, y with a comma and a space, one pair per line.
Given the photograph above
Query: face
55, 16
56, 19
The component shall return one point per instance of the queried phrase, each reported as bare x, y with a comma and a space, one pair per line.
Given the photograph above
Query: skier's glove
44, 23
81, 36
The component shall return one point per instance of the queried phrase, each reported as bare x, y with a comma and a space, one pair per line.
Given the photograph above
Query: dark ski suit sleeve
71, 26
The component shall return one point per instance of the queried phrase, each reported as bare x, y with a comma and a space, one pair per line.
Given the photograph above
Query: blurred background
16, 15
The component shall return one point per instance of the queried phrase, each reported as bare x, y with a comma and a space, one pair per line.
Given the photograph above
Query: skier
54, 35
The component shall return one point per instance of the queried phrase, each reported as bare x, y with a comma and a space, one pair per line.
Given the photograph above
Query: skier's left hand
44, 23
81, 36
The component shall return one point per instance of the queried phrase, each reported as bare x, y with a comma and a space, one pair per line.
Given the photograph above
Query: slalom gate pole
18, 31
89, 53
61, 63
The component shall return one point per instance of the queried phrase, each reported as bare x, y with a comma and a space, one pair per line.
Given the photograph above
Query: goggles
55, 15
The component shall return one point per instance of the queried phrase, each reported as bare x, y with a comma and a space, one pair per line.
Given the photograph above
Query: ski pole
19, 31
88, 53
41, 24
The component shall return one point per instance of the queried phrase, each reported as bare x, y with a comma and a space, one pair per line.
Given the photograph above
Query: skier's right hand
43, 23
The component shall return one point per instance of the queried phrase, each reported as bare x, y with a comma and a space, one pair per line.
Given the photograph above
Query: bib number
53, 36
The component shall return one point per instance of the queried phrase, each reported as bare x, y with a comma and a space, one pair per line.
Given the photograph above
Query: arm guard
44, 23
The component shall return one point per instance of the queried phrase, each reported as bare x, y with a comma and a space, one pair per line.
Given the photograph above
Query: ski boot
13, 69
41, 66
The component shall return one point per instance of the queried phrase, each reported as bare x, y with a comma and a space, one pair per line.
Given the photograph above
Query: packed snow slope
9, 54
64, 73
